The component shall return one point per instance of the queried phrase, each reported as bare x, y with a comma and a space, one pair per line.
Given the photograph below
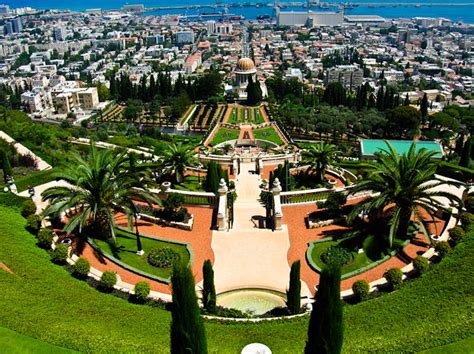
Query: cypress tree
211, 184
293, 294
380, 99
187, 328
325, 330
371, 102
208, 290
6, 166
466, 154
407, 101
424, 107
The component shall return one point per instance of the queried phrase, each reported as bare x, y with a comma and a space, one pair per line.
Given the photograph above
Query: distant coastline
454, 13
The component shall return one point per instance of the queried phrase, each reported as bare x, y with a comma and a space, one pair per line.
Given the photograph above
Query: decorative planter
187, 224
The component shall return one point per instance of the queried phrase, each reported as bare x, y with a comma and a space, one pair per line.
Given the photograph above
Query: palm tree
97, 185
176, 158
407, 182
319, 156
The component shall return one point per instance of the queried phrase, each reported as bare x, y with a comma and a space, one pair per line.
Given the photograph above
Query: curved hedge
44, 301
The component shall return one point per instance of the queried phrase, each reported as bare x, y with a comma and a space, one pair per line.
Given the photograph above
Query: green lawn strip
43, 301
233, 118
465, 346
258, 116
360, 259
34, 178
15, 343
224, 134
191, 183
127, 248
268, 134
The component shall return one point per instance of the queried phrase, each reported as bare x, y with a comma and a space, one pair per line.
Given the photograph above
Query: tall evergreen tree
407, 100
6, 167
371, 102
293, 294
211, 183
208, 289
187, 328
380, 99
254, 92
325, 330
424, 108
466, 153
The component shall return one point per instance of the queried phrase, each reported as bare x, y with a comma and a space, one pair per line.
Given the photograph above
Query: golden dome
245, 64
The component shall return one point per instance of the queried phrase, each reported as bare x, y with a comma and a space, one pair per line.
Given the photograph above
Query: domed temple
243, 72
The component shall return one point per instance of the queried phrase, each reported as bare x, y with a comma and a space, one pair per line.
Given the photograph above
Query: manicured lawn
15, 343
258, 116
191, 183
43, 301
360, 259
463, 346
234, 117
225, 134
126, 249
268, 134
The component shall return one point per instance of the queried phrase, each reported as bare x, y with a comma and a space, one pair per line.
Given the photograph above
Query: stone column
277, 212
222, 206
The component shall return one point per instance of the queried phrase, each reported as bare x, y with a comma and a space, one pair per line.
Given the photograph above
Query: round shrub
443, 248
142, 290
81, 268
456, 234
469, 204
28, 208
162, 257
394, 277
33, 223
336, 255
421, 264
60, 254
361, 289
466, 220
108, 280
45, 238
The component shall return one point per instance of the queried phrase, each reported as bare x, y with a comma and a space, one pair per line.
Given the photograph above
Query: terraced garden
428, 312
269, 134
248, 115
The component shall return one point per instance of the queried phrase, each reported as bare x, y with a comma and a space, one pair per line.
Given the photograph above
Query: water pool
251, 301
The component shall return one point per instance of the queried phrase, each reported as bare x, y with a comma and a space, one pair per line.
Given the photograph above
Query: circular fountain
254, 302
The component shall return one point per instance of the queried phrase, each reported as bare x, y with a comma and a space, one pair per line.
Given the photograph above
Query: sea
423, 8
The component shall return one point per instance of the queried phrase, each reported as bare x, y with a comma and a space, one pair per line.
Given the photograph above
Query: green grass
360, 259
35, 179
15, 343
191, 183
225, 134
43, 301
465, 346
268, 134
258, 116
234, 117
126, 249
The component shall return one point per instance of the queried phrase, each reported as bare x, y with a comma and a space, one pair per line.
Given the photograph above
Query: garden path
248, 255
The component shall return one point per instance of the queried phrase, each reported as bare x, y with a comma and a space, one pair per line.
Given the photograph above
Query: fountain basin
252, 301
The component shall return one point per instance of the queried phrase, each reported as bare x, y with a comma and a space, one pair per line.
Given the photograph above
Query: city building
184, 37
59, 33
211, 27
4, 9
66, 100
193, 62
351, 76
309, 18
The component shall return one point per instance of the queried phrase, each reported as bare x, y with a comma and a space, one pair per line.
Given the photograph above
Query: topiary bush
469, 204
33, 224
81, 268
142, 290
107, 281
60, 254
45, 238
28, 208
466, 220
361, 289
336, 255
421, 264
394, 277
162, 257
443, 248
456, 234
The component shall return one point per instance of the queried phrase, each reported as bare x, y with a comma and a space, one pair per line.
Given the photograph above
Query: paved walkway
22, 150
248, 256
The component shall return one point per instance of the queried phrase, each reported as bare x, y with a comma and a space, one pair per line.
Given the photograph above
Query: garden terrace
35, 281
245, 115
